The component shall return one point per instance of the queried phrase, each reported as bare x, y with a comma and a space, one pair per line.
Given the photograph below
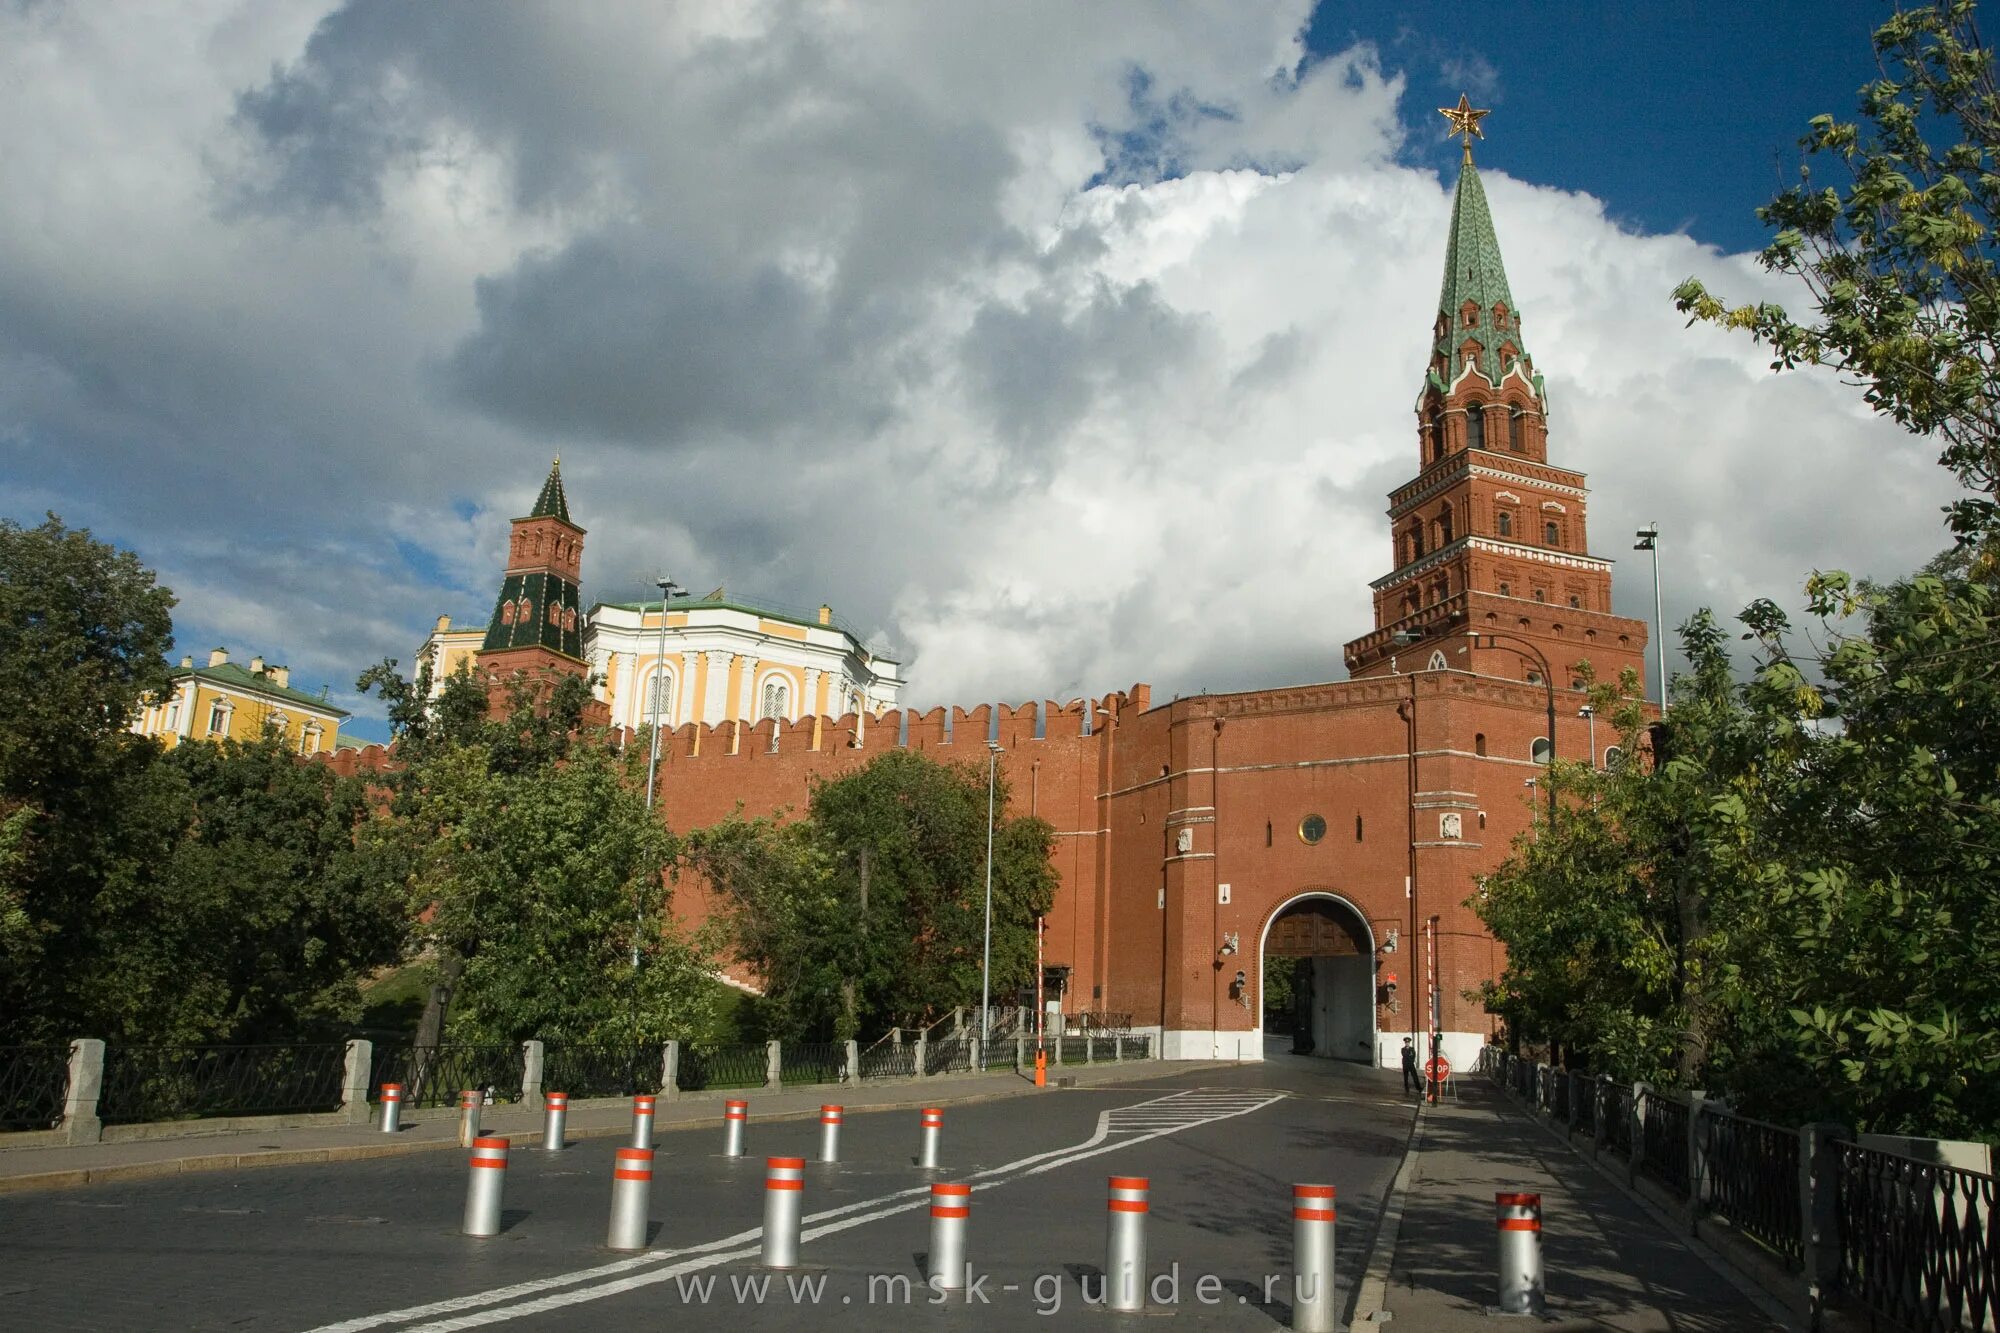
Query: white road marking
543, 1294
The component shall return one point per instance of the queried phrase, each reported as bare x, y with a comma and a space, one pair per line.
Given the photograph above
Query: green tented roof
1474, 273
552, 503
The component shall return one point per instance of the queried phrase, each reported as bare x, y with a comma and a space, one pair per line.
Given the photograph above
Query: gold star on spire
1465, 120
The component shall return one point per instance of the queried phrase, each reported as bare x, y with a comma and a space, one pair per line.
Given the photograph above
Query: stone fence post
922, 1042
533, 1056
1600, 1091
853, 1062
978, 1058
670, 1071
354, 1081
774, 1067
1697, 1158
86, 1084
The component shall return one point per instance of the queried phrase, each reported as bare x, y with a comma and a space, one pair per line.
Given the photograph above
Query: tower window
1541, 750
1538, 595
777, 699
1506, 591
1506, 524
1475, 426
660, 697
1357, 828
1479, 744
1576, 601
1551, 535
1514, 432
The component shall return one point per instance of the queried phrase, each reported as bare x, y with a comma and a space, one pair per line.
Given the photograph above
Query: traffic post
631, 1193
1041, 1068
784, 1184
484, 1186
933, 1130
1519, 1220
555, 1122
642, 1120
946, 1266
1125, 1244
1313, 1308
829, 1133
392, 1107
734, 1115
469, 1103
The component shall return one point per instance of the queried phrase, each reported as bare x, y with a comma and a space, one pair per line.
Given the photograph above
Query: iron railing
186, 1082
1134, 1048
740, 1066
1618, 1106
1100, 1022
1666, 1149
1750, 1175
814, 1062
948, 1055
1919, 1241
1073, 1050
1584, 1092
435, 1075
616, 1070
34, 1084
889, 1061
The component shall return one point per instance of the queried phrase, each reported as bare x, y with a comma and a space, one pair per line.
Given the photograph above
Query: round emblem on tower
1311, 829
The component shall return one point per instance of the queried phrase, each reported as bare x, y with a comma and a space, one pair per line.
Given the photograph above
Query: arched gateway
1329, 950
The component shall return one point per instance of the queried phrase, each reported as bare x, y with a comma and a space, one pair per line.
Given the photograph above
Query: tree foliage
869, 911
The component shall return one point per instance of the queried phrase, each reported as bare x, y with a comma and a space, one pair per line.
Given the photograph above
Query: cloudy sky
1060, 346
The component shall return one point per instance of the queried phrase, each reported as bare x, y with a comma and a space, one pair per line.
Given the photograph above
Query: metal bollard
1125, 1244
642, 1120
784, 1182
829, 1133
483, 1188
631, 1191
950, 1206
555, 1122
1313, 1308
1519, 1219
392, 1107
469, 1103
734, 1113
933, 1129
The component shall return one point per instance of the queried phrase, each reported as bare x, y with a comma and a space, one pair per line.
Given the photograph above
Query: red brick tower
1490, 536
537, 625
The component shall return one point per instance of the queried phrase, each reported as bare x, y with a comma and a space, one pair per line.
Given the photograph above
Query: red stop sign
1437, 1068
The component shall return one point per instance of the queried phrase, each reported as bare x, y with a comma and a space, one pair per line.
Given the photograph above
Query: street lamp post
1589, 714
668, 590
993, 753
1649, 540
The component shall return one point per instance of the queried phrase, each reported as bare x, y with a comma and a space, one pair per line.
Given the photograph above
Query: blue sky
968, 319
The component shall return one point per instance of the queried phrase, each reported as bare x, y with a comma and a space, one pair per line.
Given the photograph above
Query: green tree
870, 910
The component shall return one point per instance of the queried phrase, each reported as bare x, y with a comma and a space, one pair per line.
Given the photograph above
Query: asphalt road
376, 1244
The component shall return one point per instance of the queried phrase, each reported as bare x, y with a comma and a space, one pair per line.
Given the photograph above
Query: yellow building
446, 650
241, 703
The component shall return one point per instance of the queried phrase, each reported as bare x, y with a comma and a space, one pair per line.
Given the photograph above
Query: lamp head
1647, 536
1405, 637
1586, 711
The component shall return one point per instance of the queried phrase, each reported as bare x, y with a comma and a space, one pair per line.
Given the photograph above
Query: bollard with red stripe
1313, 1309
950, 1206
555, 1124
1125, 1244
933, 1130
784, 1183
469, 1103
1518, 1218
829, 1132
642, 1121
734, 1115
631, 1192
392, 1107
483, 1189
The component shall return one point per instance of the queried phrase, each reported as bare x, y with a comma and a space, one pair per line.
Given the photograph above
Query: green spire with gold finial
1475, 306
552, 503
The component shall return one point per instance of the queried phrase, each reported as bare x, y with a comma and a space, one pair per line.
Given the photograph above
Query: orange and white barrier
784, 1183
1518, 1218
484, 1186
1125, 1243
950, 1206
1313, 1308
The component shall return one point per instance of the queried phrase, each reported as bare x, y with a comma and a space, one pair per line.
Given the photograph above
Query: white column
747, 709
715, 704
810, 704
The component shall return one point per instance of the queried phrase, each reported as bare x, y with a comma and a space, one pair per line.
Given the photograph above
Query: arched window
1437, 660
1551, 534
1506, 524
506, 613
660, 698
1409, 603
1538, 595
1514, 431
1444, 525
1479, 744
1540, 750
1475, 426
1505, 591
1576, 601
1614, 757
777, 699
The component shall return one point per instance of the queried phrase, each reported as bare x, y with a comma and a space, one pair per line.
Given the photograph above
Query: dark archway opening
1319, 980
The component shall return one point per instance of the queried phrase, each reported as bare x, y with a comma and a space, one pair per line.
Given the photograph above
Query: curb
77, 1177
1371, 1293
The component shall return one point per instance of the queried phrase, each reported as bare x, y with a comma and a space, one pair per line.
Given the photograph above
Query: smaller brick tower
537, 624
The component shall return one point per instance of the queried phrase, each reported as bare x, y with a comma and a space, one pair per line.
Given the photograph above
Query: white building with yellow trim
225, 701
726, 659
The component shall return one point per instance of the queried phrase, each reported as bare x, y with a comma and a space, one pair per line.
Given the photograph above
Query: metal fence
889, 1060
948, 1055
1750, 1175
1618, 1125
185, 1082
1666, 1146
1074, 1050
1134, 1048
617, 1070
1918, 1241
1101, 1022
815, 1062
1586, 1092
435, 1075
34, 1083
740, 1066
